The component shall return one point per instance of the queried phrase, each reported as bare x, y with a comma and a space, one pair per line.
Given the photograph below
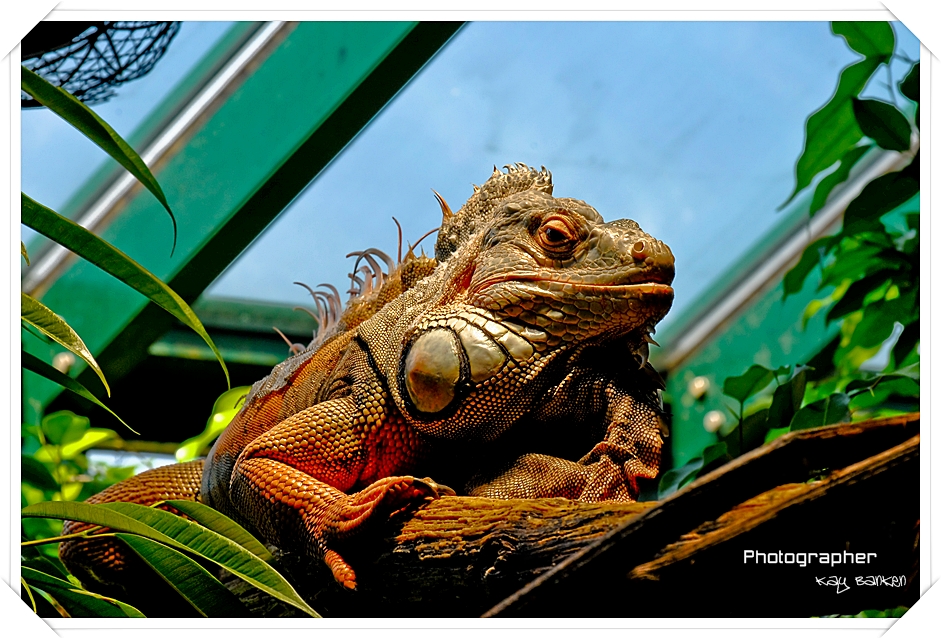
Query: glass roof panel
57, 160
691, 129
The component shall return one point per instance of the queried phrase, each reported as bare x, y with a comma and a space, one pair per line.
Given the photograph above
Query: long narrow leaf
66, 106
217, 549
41, 368
23, 252
217, 522
94, 514
49, 323
201, 590
76, 601
179, 533
114, 262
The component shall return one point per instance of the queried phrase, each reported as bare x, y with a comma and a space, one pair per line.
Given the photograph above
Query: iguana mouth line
652, 287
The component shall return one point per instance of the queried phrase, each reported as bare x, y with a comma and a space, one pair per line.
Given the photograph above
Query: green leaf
903, 375
911, 85
193, 447
714, 456
883, 123
854, 296
23, 252
115, 263
224, 410
38, 602
907, 341
36, 473
774, 433
676, 478
753, 381
879, 320
787, 400
64, 426
179, 533
76, 601
821, 365
36, 365
193, 582
216, 548
811, 257
749, 433
832, 130
829, 410
892, 390
849, 265
90, 439
910, 88
66, 106
233, 398
217, 522
48, 323
872, 39
827, 184
879, 197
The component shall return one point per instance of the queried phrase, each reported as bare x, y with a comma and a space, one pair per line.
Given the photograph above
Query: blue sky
692, 129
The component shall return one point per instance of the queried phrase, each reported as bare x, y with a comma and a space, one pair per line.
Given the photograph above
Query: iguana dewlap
515, 367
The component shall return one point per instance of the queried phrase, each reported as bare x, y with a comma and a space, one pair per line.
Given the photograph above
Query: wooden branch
455, 556
795, 457
460, 556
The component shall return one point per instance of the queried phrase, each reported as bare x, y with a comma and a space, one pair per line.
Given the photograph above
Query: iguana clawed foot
349, 514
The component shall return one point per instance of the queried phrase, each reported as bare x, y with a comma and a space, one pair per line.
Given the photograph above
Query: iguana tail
105, 565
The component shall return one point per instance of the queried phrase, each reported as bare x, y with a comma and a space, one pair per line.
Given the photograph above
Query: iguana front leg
630, 449
290, 481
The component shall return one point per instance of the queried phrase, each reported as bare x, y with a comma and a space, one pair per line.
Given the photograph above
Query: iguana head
554, 265
538, 277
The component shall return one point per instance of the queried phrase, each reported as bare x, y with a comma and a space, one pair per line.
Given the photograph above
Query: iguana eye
556, 234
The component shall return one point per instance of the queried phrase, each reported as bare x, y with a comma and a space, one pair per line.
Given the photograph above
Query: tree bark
466, 556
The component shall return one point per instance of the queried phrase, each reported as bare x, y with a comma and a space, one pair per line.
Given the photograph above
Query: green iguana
512, 365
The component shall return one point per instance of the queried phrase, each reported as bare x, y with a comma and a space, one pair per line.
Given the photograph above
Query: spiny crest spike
411, 246
399, 226
446, 213
283, 336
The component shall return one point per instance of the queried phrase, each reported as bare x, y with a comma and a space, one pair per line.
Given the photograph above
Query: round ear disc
432, 370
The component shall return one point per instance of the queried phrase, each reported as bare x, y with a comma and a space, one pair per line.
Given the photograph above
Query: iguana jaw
656, 286
575, 311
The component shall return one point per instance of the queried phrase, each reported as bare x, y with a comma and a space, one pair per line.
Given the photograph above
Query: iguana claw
347, 516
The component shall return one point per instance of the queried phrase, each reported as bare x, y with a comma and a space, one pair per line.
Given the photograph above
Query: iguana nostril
639, 250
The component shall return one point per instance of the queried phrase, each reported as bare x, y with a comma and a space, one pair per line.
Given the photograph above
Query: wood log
464, 556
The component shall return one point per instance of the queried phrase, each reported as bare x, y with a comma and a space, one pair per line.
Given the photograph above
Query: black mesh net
88, 59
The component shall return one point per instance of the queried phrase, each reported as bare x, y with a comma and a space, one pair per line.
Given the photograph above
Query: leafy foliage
169, 544
224, 409
73, 111
38, 315
89, 246
114, 262
36, 365
56, 475
871, 264
54, 467
833, 130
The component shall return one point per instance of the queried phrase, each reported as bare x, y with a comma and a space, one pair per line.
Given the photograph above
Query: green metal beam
249, 160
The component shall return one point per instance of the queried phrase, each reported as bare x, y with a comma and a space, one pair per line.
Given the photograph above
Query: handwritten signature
892, 581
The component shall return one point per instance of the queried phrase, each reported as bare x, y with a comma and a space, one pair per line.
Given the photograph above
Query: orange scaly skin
513, 367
